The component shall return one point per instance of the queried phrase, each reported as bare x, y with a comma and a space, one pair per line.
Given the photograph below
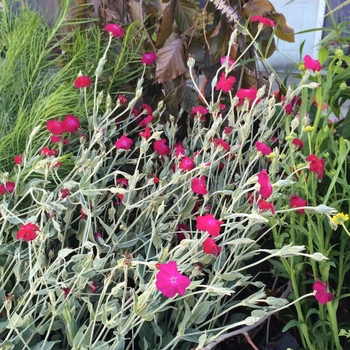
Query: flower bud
342, 86
339, 52
191, 62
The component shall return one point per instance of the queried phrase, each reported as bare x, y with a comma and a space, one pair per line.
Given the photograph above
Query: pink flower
228, 130
148, 58
123, 181
161, 148
298, 143
225, 84
321, 292
82, 82
93, 287
180, 228
210, 224
18, 159
47, 152
265, 185
179, 150
186, 163
289, 108
122, 99
155, 179
265, 21
199, 186
228, 59
64, 192
10, 186
71, 123
169, 280
250, 93
261, 147
124, 142
312, 64
223, 144
264, 205
210, 247
27, 232
114, 29
55, 127
2, 189
199, 111
296, 202
316, 165
146, 120
146, 133
66, 291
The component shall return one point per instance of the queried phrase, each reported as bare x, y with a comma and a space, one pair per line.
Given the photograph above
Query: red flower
47, 152
296, 202
18, 159
93, 287
179, 150
210, 224
114, 29
148, 58
82, 82
186, 163
66, 291
199, 186
83, 216
298, 143
146, 120
264, 205
10, 186
169, 280
2, 189
180, 228
228, 59
250, 93
71, 123
321, 292
123, 142
161, 148
223, 144
316, 165
261, 147
199, 111
55, 126
228, 130
122, 99
290, 106
312, 64
64, 192
210, 247
146, 133
265, 21
123, 181
265, 185
27, 232
155, 179
225, 84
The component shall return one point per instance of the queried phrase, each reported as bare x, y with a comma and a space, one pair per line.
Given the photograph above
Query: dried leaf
166, 25
137, 10
171, 61
257, 8
249, 79
185, 14
283, 30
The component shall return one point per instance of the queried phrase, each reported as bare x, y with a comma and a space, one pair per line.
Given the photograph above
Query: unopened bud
191, 62
339, 52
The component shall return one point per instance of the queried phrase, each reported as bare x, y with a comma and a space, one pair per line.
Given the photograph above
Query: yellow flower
308, 128
340, 218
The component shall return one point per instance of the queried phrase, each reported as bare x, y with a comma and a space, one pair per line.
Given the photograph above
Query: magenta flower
47, 152
66, 291
148, 58
261, 147
2, 189
146, 133
210, 247
65, 192
225, 84
209, 224
18, 159
299, 144
146, 120
161, 148
71, 123
250, 93
114, 29
264, 20
186, 163
169, 280
296, 202
27, 232
179, 149
312, 64
198, 185
223, 144
93, 287
264, 206
265, 185
82, 82
228, 59
55, 126
321, 292
123, 142
316, 165
10, 186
